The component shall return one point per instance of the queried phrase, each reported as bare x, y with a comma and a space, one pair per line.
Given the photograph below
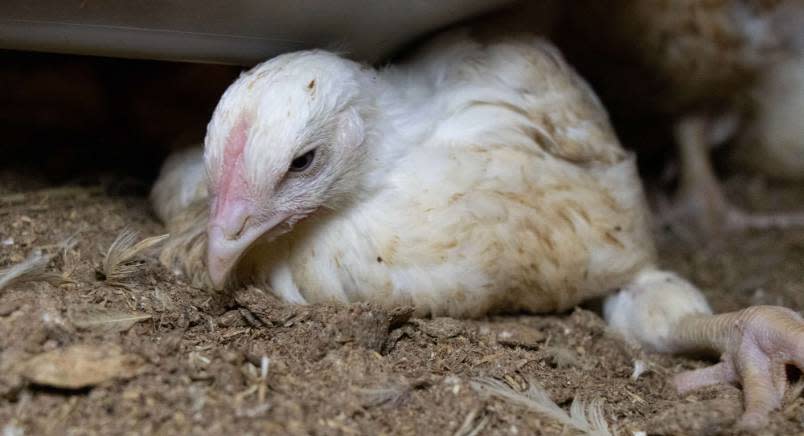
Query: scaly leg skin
756, 343
665, 313
700, 198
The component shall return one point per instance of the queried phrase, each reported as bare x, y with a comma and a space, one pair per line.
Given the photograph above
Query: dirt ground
149, 354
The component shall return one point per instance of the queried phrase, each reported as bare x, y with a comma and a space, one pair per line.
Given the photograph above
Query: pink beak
233, 227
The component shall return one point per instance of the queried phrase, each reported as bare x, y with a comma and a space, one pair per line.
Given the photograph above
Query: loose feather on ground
586, 418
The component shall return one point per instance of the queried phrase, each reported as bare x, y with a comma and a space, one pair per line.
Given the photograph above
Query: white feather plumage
774, 138
489, 178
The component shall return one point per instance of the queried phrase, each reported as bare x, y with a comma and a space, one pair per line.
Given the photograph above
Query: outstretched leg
700, 200
665, 313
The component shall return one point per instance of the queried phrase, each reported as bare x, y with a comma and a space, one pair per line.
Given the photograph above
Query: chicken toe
756, 343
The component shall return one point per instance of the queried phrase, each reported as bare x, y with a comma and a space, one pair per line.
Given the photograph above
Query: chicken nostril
233, 229
242, 229
232, 216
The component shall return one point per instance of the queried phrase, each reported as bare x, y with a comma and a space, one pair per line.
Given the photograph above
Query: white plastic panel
237, 32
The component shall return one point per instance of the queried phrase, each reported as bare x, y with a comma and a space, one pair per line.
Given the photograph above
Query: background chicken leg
700, 197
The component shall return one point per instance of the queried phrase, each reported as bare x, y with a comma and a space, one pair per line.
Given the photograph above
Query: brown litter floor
149, 354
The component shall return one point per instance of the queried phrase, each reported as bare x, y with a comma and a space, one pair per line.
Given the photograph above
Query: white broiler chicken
476, 177
773, 141
720, 70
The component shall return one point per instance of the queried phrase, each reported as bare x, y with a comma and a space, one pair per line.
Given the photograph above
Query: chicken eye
302, 162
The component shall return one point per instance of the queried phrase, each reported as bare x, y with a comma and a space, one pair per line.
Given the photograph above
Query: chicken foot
756, 343
665, 313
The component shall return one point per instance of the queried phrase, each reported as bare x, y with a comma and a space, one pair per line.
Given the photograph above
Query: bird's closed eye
302, 162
